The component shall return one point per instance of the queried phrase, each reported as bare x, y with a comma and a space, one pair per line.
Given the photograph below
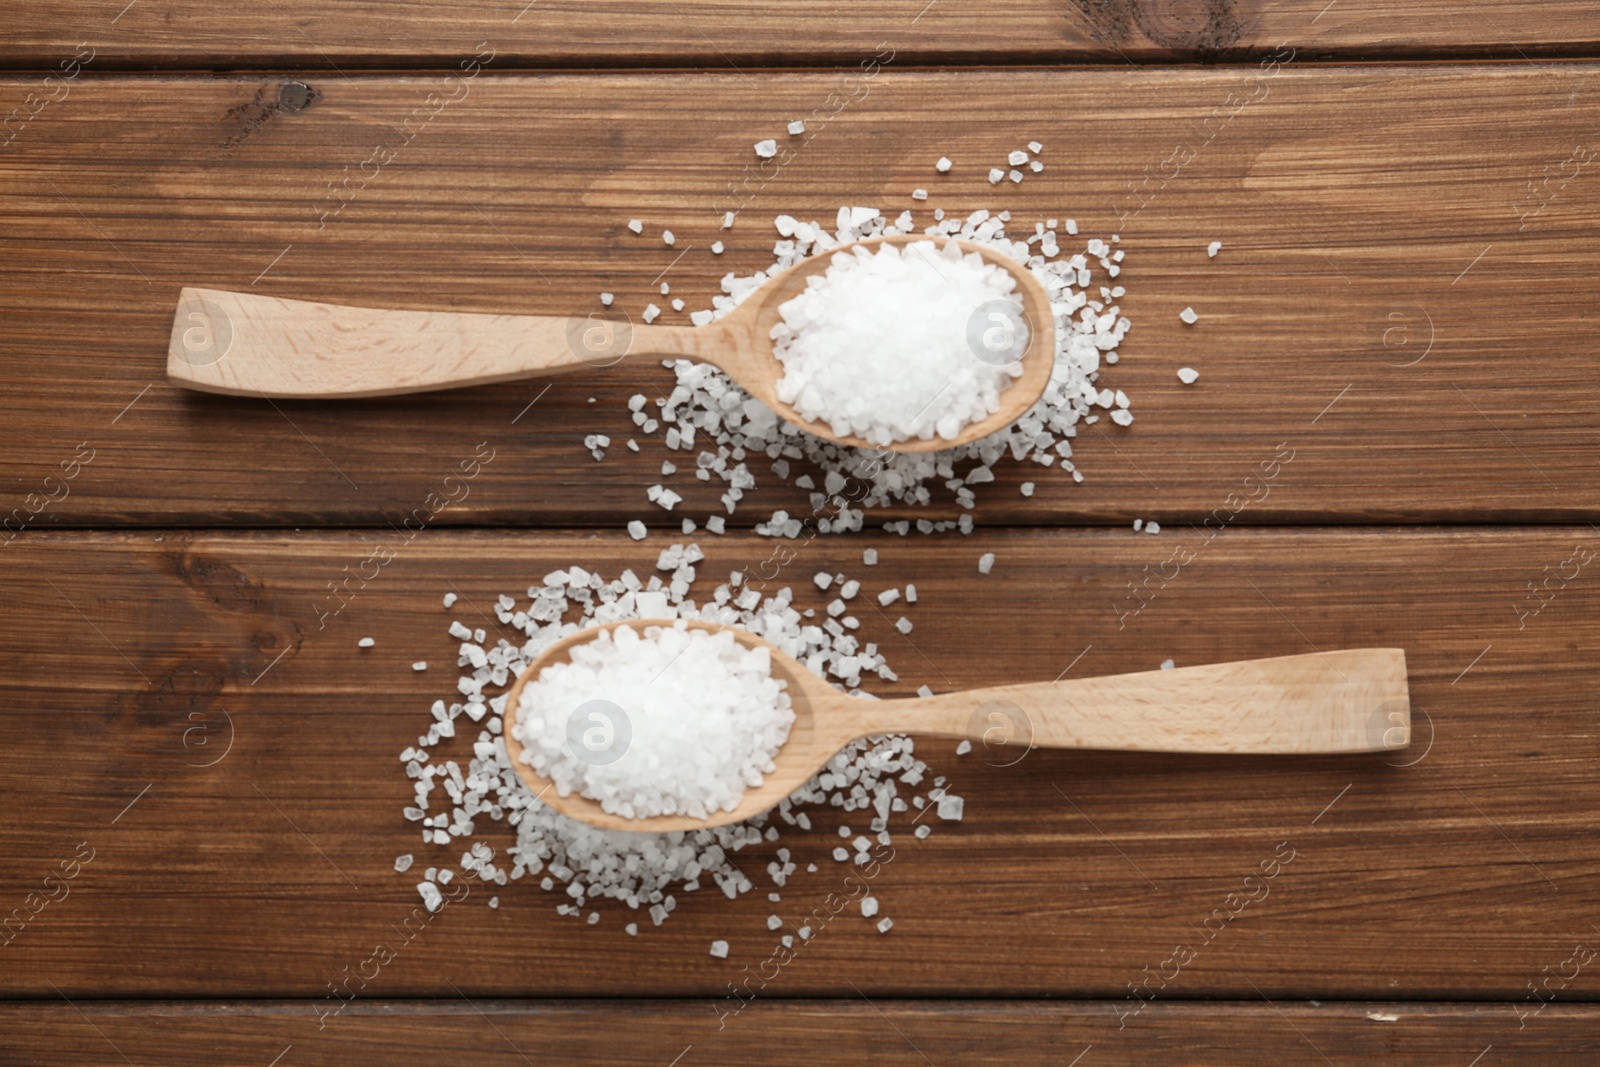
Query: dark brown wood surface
1391, 300
168, 34
1406, 197
1461, 875
799, 1033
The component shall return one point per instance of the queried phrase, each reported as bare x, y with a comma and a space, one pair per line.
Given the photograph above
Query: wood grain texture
801, 1033
1392, 301
255, 859
190, 34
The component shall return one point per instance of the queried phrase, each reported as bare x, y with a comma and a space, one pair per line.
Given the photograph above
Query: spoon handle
245, 344
1353, 700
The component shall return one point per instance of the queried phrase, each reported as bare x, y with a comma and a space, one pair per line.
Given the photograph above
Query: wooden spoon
245, 344
1354, 700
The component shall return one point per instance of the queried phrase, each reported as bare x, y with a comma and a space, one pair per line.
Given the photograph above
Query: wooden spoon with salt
247, 344
1353, 700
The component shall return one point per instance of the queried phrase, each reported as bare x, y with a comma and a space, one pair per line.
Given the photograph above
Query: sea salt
1188, 375
1213, 248
986, 563
465, 794
704, 713
877, 346
1188, 315
737, 433
943, 166
767, 149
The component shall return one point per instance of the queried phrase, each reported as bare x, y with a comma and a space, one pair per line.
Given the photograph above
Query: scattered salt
365, 642
1188, 315
986, 563
719, 949
767, 149
1188, 375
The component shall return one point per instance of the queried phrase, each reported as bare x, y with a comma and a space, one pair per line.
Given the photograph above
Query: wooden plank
1470, 873
600, 33
1370, 219
800, 1033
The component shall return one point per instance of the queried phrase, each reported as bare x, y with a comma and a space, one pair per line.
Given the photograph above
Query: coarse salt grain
636, 225
767, 149
877, 345
365, 642
705, 713
995, 175
943, 166
739, 428
1213, 248
797, 127
986, 563
1188, 315
1188, 375
667, 238
719, 949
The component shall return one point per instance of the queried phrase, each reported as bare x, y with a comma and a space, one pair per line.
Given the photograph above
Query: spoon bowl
247, 344
1355, 700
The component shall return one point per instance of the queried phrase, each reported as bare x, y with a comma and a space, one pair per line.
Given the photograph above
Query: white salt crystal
606, 298
365, 642
903, 624
797, 127
911, 594
767, 149
700, 732
951, 807
1138, 524
636, 530
667, 238
650, 313
995, 175
869, 557
1213, 248
885, 924
719, 949
1035, 147
727, 220
1015, 175
1188, 375
402, 864
636, 225
888, 596
964, 747
1027, 488
420, 665
449, 599
876, 346
919, 194
1168, 664
986, 563
869, 907
943, 166
1152, 527
1017, 158
1188, 315
716, 248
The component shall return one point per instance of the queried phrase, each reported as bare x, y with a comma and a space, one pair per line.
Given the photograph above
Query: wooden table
1406, 200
